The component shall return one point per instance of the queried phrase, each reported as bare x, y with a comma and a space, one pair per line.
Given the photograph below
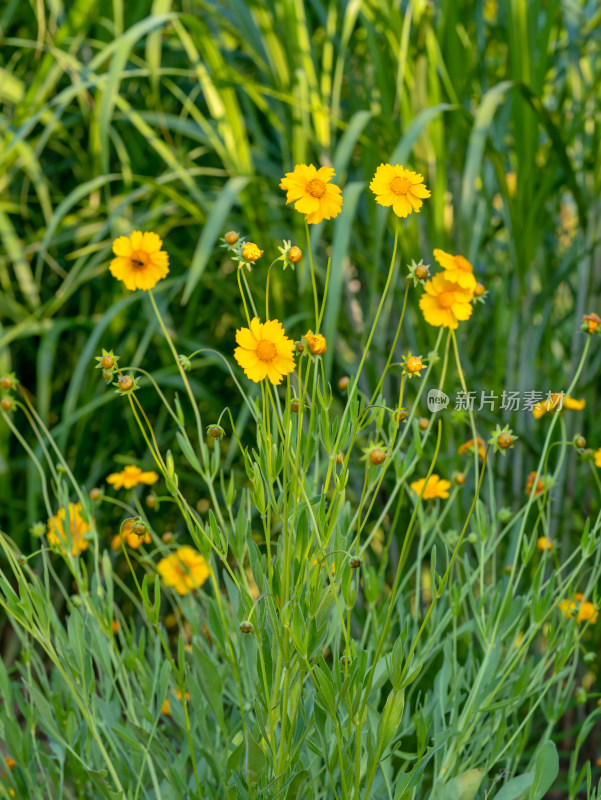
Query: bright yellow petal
122, 246
246, 338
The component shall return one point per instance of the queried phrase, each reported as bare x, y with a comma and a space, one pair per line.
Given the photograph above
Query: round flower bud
355, 562
6, 382
167, 537
343, 382
246, 627
340, 459
402, 414
414, 364
294, 406
295, 254
126, 382
231, 237
422, 272
504, 515
479, 290
6, 404
150, 501
107, 375
317, 343
139, 529
505, 441
250, 251
579, 442
377, 457
95, 493
459, 478
423, 423
215, 432
107, 362
299, 347
472, 538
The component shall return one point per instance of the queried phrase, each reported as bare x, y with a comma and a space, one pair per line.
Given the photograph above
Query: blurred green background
181, 117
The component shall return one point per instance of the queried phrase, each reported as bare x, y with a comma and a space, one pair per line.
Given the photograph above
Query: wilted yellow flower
400, 188
457, 269
140, 262
264, 351
131, 476
445, 303
435, 487
312, 193
78, 527
130, 538
317, 343
184, 570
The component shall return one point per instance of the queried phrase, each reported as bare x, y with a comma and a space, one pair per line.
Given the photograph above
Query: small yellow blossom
184, 570
445, 303
468, 447
400, 188
312, 193
435, 487
78, 527
140, 263
264, 351
557, 400
130, 477
543, 543
457, 269
586, 609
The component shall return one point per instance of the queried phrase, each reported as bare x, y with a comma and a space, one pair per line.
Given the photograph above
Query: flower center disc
446, 299
266, 351
138, 259
400, 185
316, 188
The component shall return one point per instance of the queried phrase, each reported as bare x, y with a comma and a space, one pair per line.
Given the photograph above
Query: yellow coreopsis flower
184, 570
456, 268
130, 477
468, 447
312, 193
558, 400
140, 263
400, 188
435, 487
60, 534
445, 303
264, 351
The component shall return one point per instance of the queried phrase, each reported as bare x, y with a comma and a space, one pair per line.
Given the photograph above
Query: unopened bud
246, 627
231, 237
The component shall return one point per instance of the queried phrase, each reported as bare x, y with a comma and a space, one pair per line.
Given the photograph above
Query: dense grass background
181, 117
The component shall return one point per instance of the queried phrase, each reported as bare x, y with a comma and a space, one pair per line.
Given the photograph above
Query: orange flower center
446, 299
414, 364
266, 351
400, 186
138, 259
316, 188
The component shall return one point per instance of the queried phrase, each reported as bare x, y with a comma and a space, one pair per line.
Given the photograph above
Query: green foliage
429, 671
